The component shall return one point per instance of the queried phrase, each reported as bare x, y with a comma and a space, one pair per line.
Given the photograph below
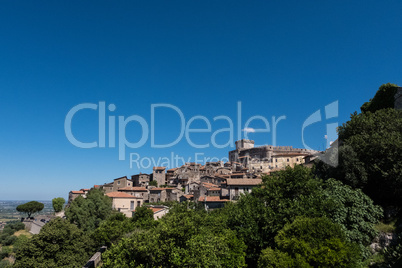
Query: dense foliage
31, 207
311, 242
258, 217
59, 244
88, 213
58, 203
185, 237
384, 98
9, 243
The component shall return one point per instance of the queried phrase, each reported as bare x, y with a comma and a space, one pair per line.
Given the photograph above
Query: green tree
5, 264
30, 207
144, 217
59, 244
153, 183
312, 242
89, 212
384, 98
369, 156
270, 258
258, 217
185, 237
58, 203
113, 229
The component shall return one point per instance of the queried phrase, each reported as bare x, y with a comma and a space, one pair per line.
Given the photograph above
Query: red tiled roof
159, 168
243, 181
156, 209
120, 195
209, 185
160, 189
133, 189
77, 192
212, 199
188, 196
214, 189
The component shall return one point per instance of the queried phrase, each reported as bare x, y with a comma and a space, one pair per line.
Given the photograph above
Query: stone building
159, 175
74, 194
141, 180
262, 159
125, 203
157, 194
236, 187
141, 192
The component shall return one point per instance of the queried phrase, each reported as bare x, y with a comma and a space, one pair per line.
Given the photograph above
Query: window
297, 159
276, 160
118, 182
132, 205
288, 159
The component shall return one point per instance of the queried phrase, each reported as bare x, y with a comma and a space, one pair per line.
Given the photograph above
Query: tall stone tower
159, 175
244, 144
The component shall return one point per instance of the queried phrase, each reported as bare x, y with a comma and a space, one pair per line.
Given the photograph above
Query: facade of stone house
157, 195
125, 203
141, 192
172, 194
191, 187
213, 179
236, 187
107, 187
140, 180
121, 182
159, 175
74, 194
212, 202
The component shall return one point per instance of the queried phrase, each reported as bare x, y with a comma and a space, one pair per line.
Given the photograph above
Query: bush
10, 240
5, 252
316, 242
5, 264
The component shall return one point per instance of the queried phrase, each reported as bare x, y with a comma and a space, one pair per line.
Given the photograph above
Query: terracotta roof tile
120, 195
77, 192
243, 181
212, 199
159, 168
214, 189
133, 189
160, 189
156, 209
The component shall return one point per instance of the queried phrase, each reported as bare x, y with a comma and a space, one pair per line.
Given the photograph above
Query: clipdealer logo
115, 126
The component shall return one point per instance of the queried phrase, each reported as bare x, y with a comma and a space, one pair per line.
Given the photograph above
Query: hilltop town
212, 184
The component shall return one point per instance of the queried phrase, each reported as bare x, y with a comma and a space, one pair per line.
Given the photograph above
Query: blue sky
277, 58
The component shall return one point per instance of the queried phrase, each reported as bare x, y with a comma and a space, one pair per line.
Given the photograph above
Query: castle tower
244, 144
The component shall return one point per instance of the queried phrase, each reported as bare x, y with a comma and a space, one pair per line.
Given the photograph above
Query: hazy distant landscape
9, 213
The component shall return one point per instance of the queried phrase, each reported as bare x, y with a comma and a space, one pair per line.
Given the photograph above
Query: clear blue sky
277, 58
